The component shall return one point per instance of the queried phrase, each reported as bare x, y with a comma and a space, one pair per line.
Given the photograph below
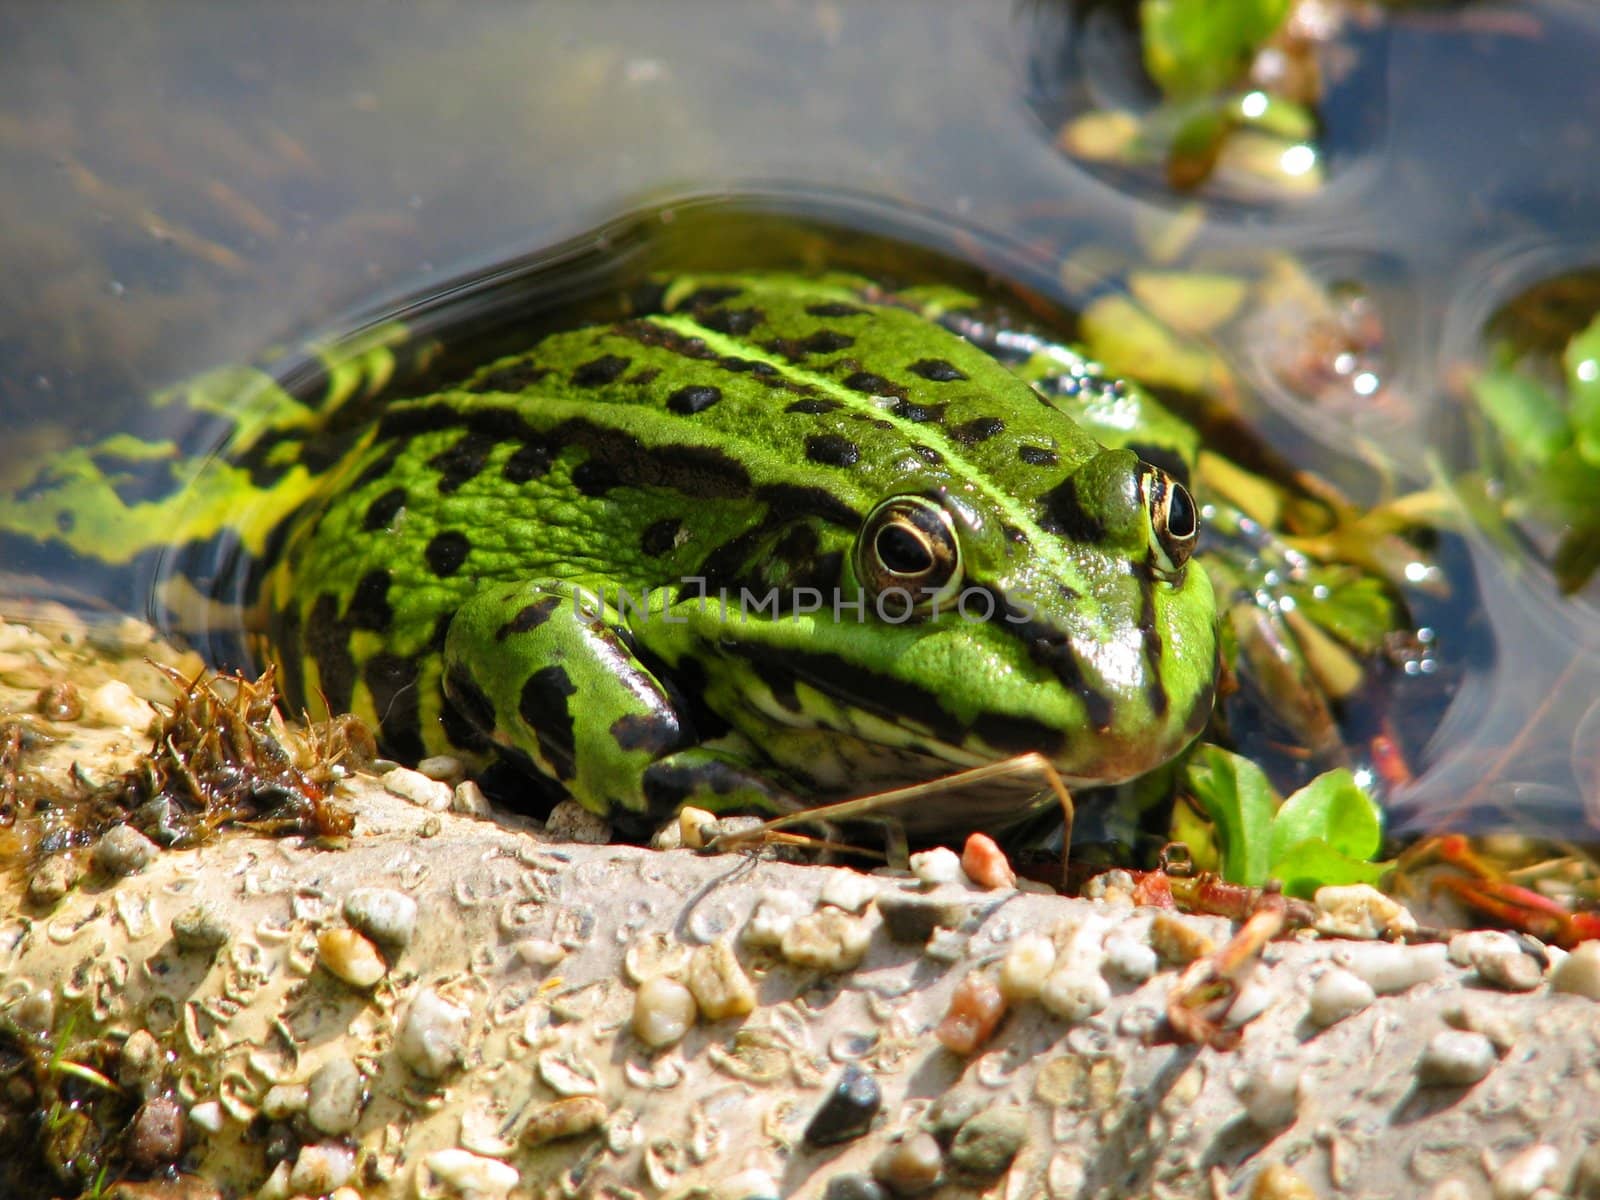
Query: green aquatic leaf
1582, 363
1353, 606
1237, 796
1274, 115
1128, 341
1331, 807
1197, 47
1326, 833
1196, 142
1194, 302
1529, 419
1577, 557
1312, 864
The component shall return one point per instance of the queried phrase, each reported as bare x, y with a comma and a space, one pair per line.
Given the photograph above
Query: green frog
766, 541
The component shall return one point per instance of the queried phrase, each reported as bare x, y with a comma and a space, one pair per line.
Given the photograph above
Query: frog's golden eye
1174, 520
908, 543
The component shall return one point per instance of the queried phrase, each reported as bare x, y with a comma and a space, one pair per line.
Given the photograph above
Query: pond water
190, 185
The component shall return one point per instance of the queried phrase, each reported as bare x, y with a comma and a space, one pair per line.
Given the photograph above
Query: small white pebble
1115, 886
1579, 972
1131, 958
277, 1185
848, 890
1388, 969
459, 1174
668, 836
1359, 910
419, 789
663, 1011
775, 914
1467, 947
1075, 992
385, 915
1337, 994
141, 1062
445, 768
1253, 998
433, 1036
335, 1095
540, 952
652, 954
201, 928
1026, 967
1525, 1175
321, 1167
283, 1100
1271, 1095
1498, 959
123, 850
1456, 1058
54, 878
469, 800
936, 866
207, 1115
125, 635
113, 705
570, 821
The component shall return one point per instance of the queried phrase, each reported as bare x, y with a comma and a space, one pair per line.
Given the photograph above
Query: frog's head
1069, 623
1083, 633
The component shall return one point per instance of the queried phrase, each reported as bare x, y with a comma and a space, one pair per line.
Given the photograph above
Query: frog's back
662, 448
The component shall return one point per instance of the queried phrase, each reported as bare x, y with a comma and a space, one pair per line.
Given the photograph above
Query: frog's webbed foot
549, 673
719, 780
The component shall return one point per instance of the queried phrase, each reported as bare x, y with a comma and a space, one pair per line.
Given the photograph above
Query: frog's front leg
549, 673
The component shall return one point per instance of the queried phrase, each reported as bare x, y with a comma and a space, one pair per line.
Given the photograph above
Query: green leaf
1195, 144
1353, 606
1282, 118
1312, 864
1582, 363
1236, 795
1576, 558
1326, 833
1333, 808
1199, 47
1529, 420
1128, 341
1569, 487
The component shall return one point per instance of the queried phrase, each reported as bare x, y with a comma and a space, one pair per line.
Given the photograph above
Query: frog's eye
909, 543
1173, 519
